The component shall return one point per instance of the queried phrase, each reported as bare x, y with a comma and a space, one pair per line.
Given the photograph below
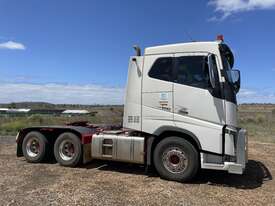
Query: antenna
188, 35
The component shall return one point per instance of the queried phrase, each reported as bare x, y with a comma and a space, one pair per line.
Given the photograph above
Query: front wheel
176, 159
68, 150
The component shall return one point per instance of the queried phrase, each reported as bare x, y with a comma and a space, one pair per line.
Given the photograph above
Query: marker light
220, 37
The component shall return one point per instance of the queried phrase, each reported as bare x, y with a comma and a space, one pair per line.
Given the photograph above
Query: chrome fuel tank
118, 148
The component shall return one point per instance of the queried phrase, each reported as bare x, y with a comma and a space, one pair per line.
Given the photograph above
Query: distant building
75, 112
47, 111
19, 112
4, 109
7, 110
13, 112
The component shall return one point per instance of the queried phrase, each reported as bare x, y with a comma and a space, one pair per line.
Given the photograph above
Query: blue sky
77, 51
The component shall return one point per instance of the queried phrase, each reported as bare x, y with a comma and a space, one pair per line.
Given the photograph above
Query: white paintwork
132, 106
199, 103
160, 103
208, 134
152, 92
231, 114
237, 167
211, 47
206, 114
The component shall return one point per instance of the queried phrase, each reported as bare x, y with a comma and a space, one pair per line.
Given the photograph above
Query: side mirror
235, 79
211, 70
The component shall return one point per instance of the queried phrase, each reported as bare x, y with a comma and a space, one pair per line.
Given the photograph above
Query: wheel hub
33, 147
66, 150
174, 160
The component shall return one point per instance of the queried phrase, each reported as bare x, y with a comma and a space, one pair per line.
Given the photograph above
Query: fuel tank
118, 148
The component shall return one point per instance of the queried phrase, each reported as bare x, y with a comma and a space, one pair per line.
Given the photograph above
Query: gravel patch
106, 183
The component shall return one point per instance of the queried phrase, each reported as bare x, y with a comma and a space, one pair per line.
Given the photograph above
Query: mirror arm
139, 70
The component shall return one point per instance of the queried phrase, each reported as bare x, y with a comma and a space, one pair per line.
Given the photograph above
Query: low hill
46, 105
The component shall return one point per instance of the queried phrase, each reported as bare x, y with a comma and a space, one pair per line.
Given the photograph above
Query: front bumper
236, 167
241, 153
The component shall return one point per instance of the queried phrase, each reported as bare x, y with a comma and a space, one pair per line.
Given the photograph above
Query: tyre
35, 147
176, 159
68, 150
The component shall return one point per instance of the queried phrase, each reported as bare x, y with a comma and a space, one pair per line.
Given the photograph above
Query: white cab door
192, 97
157, 92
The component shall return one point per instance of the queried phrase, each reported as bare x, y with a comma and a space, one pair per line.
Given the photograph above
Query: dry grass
10, 125
259, 120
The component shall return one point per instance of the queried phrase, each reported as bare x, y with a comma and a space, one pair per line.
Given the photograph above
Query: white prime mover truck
180, 115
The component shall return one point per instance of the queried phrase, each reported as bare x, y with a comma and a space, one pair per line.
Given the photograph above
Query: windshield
227, 55
227, 68
227, 62
232, 76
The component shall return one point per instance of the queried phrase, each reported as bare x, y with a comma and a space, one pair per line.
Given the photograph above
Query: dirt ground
103, 183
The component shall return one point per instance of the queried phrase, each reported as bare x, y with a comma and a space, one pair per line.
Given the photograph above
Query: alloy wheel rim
174, 160
33, 147
66, 150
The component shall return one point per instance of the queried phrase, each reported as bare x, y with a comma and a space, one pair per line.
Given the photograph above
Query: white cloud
97, 94
60, 93
256, 95
12, 45
228, 7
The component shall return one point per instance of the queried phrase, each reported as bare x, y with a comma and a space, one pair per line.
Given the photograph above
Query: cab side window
162, 69
192, 71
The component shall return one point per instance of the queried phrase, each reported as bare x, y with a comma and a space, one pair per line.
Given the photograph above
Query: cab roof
211, 46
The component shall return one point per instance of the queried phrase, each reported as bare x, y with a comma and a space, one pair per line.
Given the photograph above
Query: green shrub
250, 120
12, 127
35, 118
260, 119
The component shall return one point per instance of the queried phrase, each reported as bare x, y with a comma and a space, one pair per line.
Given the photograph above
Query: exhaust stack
137, 49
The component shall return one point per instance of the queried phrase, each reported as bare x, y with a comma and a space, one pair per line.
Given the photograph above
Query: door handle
183, 110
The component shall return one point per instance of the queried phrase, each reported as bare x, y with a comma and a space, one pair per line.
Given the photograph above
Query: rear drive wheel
35, 147
68, 150
176, 159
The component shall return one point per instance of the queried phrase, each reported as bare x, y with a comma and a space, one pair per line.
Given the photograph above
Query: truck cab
180, 115
189, 89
